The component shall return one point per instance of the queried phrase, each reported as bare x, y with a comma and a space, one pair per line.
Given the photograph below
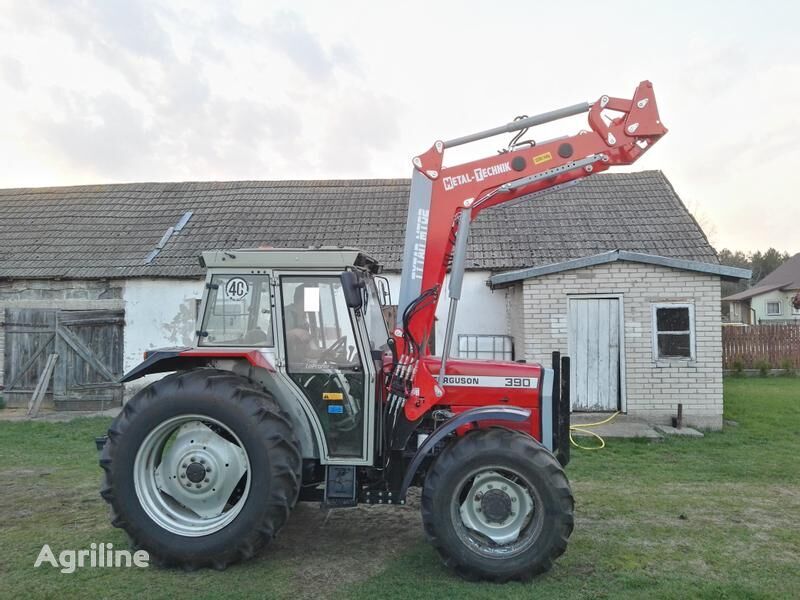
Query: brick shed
643, 331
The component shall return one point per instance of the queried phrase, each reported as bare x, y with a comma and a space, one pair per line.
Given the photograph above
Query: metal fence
750, 347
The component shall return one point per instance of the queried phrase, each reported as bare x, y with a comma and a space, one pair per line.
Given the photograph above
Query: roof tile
102, 231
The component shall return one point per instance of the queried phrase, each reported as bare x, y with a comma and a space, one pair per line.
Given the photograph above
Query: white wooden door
594, 353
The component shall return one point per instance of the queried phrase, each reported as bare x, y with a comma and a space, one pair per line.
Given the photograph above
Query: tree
766, 263
760, 263
734, 258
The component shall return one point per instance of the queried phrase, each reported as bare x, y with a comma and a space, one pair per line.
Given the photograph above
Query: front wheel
497, 505
201, 469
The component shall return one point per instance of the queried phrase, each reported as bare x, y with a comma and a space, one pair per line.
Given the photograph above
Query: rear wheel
497, 505
201, 469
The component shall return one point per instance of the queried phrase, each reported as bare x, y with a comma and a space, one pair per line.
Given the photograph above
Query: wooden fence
749, 347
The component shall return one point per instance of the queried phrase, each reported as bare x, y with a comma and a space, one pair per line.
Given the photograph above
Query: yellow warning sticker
537, 160
332, 396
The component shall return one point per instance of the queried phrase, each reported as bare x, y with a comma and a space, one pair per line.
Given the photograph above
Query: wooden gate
89, 345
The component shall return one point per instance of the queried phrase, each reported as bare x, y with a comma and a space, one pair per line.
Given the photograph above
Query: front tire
201, 469
497, 506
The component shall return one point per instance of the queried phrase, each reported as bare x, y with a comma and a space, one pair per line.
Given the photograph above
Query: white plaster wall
480, 311
159, 313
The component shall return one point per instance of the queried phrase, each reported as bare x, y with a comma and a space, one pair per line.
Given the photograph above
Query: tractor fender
250, 363
165, 360
473, 415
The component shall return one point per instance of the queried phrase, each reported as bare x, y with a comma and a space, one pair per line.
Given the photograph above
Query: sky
120, 91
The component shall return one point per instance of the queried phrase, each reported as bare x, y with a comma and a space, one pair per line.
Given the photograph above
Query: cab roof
290, 258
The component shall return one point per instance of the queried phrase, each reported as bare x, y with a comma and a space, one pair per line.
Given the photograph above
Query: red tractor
297, 390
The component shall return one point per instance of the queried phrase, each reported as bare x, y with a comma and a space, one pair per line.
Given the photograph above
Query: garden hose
584, 428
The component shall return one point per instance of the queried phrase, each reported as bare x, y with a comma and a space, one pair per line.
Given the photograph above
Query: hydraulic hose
584, 428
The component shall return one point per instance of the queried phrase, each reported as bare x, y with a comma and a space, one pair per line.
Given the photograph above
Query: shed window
673, 330
774, 308
488, 347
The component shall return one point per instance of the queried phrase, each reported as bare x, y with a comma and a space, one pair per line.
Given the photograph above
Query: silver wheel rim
191, 475
491, 531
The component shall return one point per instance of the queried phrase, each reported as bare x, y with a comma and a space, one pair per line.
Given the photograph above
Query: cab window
238, 312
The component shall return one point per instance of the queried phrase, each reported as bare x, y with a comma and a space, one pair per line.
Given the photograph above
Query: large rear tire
497, 506
201, 469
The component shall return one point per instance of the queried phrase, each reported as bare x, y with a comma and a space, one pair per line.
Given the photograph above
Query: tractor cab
315, 316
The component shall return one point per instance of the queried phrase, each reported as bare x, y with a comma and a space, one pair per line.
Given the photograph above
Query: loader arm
444, 201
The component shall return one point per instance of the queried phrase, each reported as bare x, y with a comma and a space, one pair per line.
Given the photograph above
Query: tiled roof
108, 231
753, 291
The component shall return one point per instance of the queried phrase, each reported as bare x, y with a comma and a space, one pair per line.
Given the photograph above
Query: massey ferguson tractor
296, 389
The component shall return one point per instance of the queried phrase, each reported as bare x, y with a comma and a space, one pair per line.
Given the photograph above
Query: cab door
327, 359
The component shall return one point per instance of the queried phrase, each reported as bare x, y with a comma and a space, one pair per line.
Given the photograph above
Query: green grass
717, 517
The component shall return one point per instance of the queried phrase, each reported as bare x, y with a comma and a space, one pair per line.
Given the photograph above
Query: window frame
378, 340
773, 314
495, 336
655, 332
339, 312
361, 339
203, 316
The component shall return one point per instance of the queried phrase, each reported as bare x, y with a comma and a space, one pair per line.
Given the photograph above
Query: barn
614, 271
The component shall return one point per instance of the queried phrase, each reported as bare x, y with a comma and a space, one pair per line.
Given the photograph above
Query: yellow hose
583, 428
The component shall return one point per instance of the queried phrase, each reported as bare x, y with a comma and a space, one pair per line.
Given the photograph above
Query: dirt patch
320, 551
328, 550
55, 416
31, 499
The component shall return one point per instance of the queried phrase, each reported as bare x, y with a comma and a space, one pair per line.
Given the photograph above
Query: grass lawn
717, 517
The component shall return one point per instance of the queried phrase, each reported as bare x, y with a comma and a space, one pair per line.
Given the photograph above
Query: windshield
375, 321
238, 312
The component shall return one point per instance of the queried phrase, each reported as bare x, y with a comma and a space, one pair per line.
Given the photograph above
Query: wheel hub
195, 472
496, 507
200, 469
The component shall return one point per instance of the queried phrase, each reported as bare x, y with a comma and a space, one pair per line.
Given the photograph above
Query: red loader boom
445, 200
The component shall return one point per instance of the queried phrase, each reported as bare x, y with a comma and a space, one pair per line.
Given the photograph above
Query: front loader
296, 389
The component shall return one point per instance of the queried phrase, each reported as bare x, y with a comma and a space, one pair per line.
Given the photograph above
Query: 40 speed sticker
236, 289
490, 381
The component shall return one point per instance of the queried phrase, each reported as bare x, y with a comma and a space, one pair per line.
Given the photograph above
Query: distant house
614, 271
775, 299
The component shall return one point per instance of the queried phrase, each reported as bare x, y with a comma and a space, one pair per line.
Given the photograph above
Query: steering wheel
336, 349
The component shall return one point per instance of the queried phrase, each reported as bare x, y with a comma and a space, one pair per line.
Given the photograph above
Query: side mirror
352, 287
